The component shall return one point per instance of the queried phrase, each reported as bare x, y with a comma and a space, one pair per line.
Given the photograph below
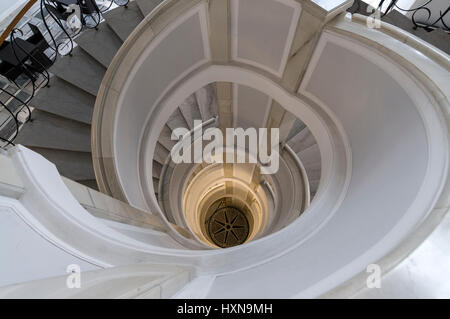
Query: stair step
124, 20
81, 70
313, 173
91, 183
160, 154
165, 138
51, 131
176, 120
147, 6
309, 156
439, 38
190, 111
73, 165
302, 140
101, 44
206, 99
156, 170
155, 184
296, 128
65, 100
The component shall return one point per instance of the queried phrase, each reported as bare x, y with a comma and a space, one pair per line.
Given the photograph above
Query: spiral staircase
363, 151
62, 119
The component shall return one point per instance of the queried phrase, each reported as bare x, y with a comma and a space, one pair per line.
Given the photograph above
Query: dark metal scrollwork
418, 22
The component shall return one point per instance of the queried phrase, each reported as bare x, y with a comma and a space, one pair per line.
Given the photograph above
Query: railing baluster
90, 16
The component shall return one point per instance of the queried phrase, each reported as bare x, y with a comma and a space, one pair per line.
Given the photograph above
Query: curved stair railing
14, 114
421, 15
169, 157
418, 22
37, 76
423, 21
168, 160
71, 17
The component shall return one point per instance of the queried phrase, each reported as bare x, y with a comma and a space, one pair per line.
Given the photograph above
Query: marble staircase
61, 126
438, 37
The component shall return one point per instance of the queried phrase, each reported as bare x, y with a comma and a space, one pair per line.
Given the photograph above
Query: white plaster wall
381, 112
424, 274
180, 48
262, 32
250, 107
26, 256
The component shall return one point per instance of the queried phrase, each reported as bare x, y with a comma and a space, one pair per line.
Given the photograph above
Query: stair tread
165, 138
81, 70
310, 155
190, 111
439, 38
156, 170
302, 140
73, 165
313, 173
155, 185
124, 20
147, 6
176, 120
101, 44
296, 128
65, 100
51, 131
311, 160
91, 183
160, 154
206, 100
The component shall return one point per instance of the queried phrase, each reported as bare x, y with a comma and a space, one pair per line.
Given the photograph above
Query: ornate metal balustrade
27, 60
15, 108
421, 15
72, 16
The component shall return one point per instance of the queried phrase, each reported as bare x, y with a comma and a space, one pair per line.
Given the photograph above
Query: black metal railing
421, 15
425, 21
21, 60
27, 60
72, 16
15, 108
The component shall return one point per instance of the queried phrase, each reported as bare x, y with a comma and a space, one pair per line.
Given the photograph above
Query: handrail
167, 161
420, 44
420, 8
14, 114
16, 20
302, 169
90, 15
178, 228
418, 21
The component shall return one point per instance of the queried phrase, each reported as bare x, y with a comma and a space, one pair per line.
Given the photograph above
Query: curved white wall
384, 160
399, 163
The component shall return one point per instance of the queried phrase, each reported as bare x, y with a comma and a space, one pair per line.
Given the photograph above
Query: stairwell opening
212, 186
227, 225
